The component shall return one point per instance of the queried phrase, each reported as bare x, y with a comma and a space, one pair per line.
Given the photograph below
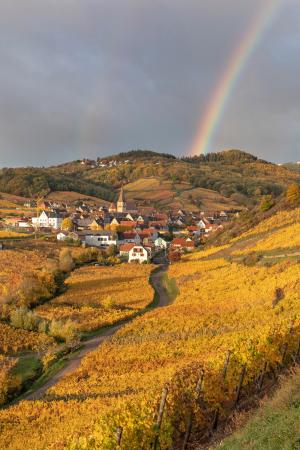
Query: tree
266, 203
112, 250
293, 194
67, 224
66, 263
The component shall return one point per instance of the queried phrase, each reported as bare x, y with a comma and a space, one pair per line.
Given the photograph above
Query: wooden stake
285, 347
200, 383
226, 363
160, 417
119, 433
198, 391
215, 420
262, 376
238, 392
296, 355
188, 431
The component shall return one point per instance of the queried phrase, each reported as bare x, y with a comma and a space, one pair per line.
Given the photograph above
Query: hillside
275, 426
165, 194
216, 181
241, 298
31, 182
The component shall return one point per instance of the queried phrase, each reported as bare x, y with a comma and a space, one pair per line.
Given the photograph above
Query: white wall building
160, 243
102, 239
47, 220
138, 254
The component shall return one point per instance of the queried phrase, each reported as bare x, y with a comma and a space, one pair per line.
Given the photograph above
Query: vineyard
100, 296
13, 263
14, 340
230, 325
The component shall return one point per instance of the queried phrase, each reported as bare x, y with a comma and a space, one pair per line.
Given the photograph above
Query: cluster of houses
92, 164
137, 236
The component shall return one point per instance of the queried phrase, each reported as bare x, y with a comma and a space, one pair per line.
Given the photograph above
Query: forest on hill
237, 176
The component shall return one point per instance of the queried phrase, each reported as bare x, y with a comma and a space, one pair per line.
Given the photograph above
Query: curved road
94, 342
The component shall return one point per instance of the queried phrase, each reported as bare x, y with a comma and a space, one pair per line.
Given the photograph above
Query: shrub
108, 302
65, 331
88, 255
267, 203
293, 194
24, 318
66, 263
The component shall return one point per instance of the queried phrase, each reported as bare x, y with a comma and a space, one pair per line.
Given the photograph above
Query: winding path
92, 343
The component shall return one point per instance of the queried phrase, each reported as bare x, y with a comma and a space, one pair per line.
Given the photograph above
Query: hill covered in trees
238, 177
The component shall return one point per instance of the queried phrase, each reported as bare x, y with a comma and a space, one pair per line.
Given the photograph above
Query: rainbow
223, 90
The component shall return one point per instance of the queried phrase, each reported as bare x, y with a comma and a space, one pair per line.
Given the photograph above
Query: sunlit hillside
225, 302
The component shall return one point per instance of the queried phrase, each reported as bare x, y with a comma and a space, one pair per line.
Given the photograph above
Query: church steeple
121, 203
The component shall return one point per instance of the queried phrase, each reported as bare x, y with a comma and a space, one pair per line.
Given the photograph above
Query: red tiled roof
128, 223
129, 234
126, 247
183, 242
158, 223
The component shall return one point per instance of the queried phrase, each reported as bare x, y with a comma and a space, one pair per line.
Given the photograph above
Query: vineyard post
284, 352
190, 417
238, 392
224, 373
296, 355
119, 433
188, 431
226, 363
160, 417
262, 376
200, 382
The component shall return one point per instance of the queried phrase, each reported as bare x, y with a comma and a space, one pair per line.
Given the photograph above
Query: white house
160, 243
62, 236
201, 224
24, 223
138, 254
101, 239
47, 220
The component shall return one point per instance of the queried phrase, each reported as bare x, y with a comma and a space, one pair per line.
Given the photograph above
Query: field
100, 296
12, 235
14, 340
12, 264
222, 306
177, 195
71, 197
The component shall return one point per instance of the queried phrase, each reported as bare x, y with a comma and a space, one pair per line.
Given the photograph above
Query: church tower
121, 203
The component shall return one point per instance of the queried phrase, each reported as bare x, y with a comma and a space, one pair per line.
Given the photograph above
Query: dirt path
94, 342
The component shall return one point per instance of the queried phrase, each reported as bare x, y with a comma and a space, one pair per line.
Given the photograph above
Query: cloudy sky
87, 78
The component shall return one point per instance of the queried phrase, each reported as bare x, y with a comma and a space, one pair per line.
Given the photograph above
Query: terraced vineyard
223, 304
100, 296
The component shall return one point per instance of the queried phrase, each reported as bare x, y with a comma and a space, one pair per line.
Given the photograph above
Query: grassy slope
276, 425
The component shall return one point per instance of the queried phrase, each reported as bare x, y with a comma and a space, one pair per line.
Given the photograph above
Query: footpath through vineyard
161, 298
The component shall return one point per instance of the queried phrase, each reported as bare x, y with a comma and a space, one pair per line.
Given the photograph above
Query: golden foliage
221, 306
101, 296
13, 340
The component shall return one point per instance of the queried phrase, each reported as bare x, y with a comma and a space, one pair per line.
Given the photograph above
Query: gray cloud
93, 77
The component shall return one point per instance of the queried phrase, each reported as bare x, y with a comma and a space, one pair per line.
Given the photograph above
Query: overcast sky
88, 78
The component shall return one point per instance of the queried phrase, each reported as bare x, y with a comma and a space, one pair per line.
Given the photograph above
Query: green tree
266, 203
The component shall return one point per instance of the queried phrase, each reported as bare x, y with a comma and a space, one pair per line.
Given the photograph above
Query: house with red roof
183, 244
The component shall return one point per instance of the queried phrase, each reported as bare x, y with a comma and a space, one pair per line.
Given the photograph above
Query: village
138, 235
